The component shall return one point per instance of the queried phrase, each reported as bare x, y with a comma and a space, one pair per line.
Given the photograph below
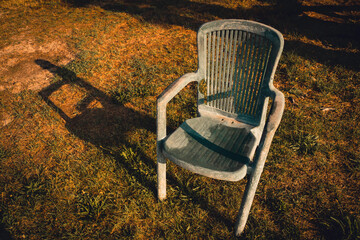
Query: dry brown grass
74, 164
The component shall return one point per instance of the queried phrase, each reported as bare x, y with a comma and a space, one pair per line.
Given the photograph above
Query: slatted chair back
236, 61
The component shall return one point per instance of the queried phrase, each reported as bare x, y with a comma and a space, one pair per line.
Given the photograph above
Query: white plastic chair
232, 134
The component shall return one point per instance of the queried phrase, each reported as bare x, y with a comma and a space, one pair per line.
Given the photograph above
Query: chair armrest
276, 111
176, 86
173, 89
271, 125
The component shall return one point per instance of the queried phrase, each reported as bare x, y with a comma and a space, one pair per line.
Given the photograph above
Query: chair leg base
161, 197
239, 228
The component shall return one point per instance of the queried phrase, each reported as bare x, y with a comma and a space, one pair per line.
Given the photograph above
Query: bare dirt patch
18, 69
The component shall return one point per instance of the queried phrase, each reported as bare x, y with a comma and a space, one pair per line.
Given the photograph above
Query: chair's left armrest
271, 125
277, 110
173, 89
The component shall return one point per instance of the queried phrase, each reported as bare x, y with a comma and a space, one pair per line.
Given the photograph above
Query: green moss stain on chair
232, 134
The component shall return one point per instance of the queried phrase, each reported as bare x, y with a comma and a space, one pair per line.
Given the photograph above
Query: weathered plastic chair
231, 136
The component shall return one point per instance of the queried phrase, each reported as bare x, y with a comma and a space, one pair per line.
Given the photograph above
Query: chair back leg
246, 203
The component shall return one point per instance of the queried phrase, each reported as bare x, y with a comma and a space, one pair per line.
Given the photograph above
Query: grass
78, 156
139, 84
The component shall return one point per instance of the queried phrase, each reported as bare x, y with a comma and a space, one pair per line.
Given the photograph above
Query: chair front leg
162, 100
161, 176
161, 161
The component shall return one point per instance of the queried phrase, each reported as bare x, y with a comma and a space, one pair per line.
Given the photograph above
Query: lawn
78, 87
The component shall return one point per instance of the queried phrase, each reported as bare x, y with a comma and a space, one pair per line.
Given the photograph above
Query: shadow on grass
4, 234
107, 129
106, 126
335, 224
326, 23
289, 229
102, 126
329, 57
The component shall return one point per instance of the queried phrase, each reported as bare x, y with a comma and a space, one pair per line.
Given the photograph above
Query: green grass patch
139, 84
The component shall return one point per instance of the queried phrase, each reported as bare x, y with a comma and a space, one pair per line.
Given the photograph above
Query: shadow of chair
107, 129
107, 126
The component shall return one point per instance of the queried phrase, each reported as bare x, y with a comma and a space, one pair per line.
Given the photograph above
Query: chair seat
212, 147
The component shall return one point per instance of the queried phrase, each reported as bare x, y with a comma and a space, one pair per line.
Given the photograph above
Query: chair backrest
237, 60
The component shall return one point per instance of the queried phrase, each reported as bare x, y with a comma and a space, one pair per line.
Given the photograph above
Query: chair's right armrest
170, 92
176, 86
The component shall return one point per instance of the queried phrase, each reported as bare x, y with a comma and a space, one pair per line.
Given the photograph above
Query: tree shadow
4, 234
108, 128
332, 28
285, 222
329, 57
